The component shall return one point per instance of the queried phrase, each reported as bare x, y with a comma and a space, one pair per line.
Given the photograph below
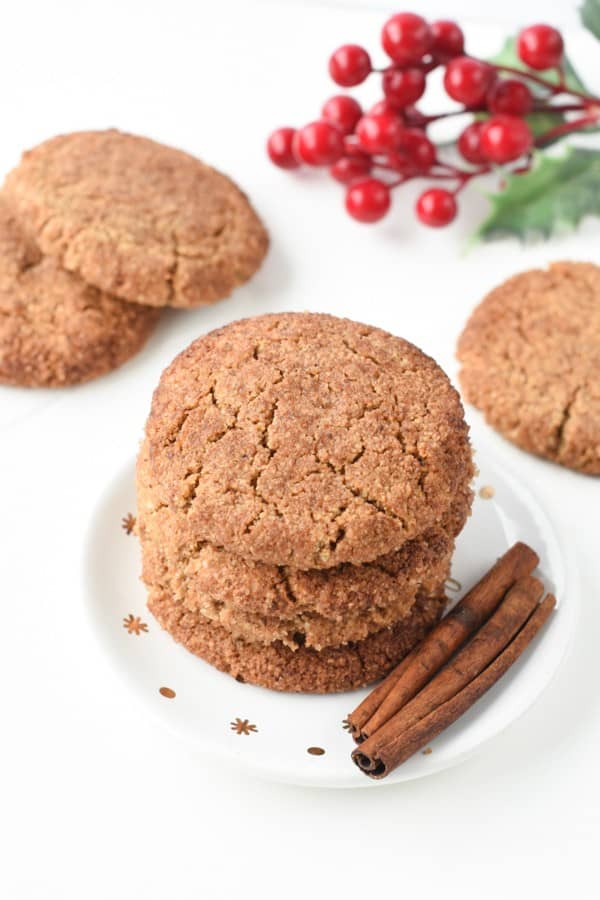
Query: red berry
377, 134
436, 207
403, 86
406, 38
383, 106
468, 80
505, 138
448, 40
369, 200
510, 96
280, 148
351, 148
319, 144
342, 111
349, 168
469, 144
399, 162
540, 46
349, 65
414, 118
417, 149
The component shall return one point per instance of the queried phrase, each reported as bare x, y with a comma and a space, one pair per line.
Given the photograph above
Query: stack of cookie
300, 487
98, 231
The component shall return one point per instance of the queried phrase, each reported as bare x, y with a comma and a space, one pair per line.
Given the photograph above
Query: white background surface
95, 800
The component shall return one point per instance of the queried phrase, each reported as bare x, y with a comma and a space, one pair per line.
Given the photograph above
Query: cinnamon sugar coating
278, 667
137, 219
307, 441
264, 603
55, 330
530, 357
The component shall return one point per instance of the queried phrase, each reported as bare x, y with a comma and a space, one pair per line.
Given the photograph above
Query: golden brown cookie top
306, 440
55, 329
530, 357
140, 220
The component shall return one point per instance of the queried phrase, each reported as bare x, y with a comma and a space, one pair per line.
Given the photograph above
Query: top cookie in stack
112, 219
300, 487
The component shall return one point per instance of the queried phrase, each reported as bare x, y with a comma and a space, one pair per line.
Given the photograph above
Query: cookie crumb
167, 692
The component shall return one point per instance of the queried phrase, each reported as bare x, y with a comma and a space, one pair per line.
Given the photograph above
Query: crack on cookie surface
530, 357
146, 222
260, 602
278, 667
325, 457
55, 330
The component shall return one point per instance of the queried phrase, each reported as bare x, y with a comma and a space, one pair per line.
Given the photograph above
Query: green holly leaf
554, 195
590, 16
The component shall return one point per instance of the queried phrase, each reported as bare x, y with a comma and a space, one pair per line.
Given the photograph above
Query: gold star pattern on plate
134, 624
242, 726
128, 523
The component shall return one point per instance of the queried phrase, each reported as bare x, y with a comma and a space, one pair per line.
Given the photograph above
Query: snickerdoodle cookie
264, 603
280, 668
307, 441
143, 221
54, 329
530, 357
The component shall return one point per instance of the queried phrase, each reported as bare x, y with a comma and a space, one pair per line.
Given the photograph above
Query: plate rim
209, 747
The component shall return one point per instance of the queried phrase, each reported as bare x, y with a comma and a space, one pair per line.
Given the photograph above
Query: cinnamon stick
475, 656
468, 615
406, 742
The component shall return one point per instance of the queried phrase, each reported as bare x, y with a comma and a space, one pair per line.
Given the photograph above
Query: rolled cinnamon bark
468, 615
405, 742
475, 656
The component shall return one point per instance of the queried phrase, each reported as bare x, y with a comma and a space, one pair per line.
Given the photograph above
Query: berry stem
536, 79
560, 88
434, 117
430, 66
559, 107
521, 170
568, 128
463, 182
560, 75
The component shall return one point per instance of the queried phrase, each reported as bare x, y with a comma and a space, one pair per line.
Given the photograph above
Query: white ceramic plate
271, 733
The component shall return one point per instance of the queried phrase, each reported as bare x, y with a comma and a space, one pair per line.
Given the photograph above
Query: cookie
262, 603
278, 667
530, 357
55, 330
139, 220
307, 441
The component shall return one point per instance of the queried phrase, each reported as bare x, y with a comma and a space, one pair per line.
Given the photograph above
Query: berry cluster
371, 152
